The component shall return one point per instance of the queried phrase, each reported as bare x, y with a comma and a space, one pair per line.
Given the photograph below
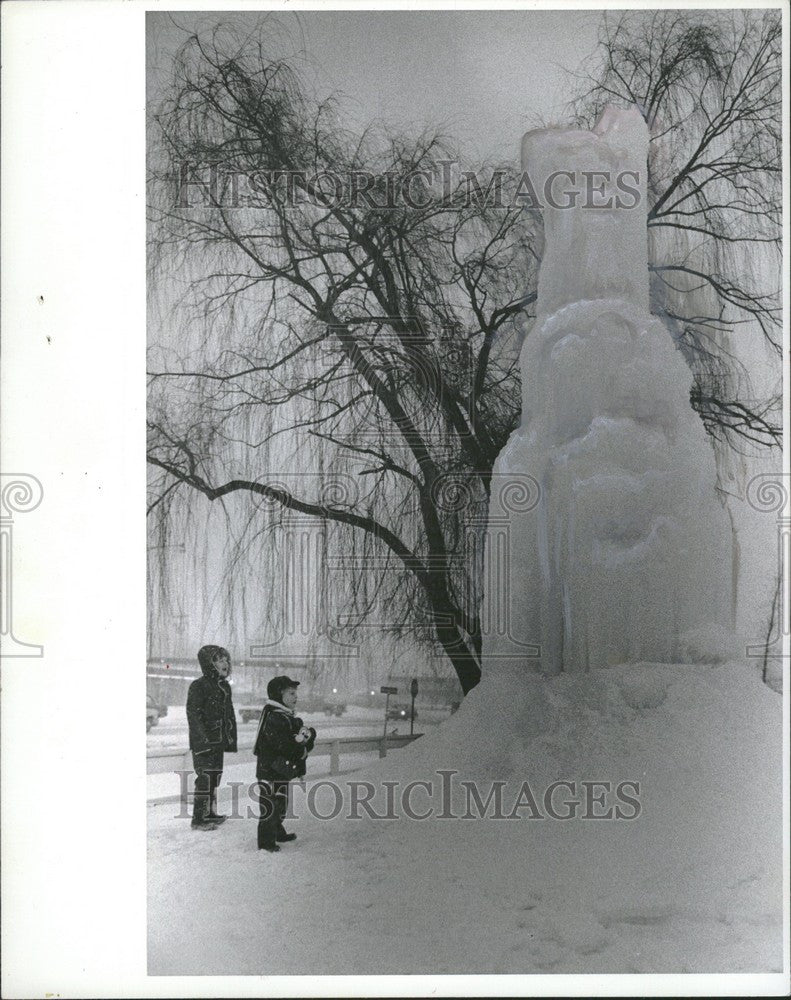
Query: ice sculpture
627, 556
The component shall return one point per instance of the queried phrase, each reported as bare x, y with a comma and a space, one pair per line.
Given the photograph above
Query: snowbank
689, 884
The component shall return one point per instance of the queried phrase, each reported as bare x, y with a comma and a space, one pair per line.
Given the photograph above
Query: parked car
331, 705
250, 713
400, 712
152, 713
306, 705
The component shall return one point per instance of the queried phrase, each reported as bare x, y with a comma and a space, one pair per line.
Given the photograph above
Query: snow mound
689, 883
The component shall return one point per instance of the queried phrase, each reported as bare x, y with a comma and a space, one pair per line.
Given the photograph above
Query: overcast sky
485, 76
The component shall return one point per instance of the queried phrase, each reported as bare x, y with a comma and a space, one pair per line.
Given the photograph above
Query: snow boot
283, 837
214, 816
201, 812
272, 848
204, 824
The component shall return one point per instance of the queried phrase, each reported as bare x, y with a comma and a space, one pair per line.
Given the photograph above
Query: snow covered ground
692, 884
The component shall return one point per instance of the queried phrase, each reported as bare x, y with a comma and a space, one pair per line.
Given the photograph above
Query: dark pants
208, 771
273, 802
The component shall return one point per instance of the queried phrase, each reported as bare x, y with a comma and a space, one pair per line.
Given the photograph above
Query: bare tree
709, 87
361, 301
361, 294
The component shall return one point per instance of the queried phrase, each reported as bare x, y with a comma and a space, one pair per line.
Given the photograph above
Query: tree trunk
465, 663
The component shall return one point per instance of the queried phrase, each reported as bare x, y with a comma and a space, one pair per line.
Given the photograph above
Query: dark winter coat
210, 713
280, 756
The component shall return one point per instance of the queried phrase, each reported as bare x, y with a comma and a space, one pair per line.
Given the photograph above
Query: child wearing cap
282, 745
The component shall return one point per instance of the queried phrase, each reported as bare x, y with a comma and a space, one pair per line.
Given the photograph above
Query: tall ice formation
627, 555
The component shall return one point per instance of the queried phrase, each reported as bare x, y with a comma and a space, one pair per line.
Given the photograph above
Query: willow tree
358, 297
361, 301
709, 86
